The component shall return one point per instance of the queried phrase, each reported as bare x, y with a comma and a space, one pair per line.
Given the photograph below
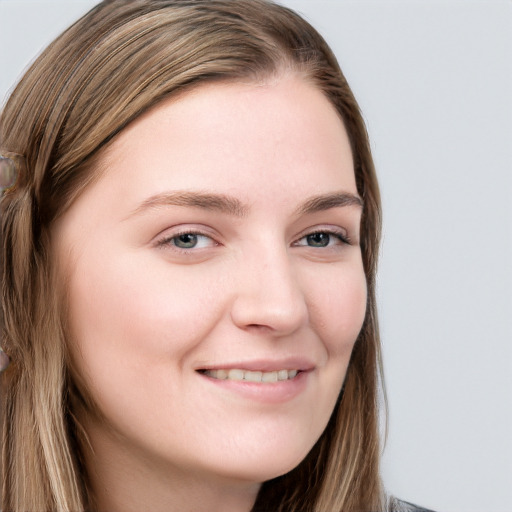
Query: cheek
137, 314
338, 308
133, 324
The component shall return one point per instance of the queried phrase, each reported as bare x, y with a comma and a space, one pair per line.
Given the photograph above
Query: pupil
186, 241
318, 239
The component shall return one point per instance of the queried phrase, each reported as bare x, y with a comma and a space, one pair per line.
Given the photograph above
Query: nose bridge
268, 291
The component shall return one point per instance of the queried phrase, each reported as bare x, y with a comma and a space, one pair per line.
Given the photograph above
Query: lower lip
271, 393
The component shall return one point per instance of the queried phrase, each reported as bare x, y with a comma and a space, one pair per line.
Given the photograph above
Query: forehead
254, 131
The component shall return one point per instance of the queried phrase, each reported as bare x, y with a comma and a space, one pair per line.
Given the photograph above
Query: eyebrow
206, 201
232, 206
327, 201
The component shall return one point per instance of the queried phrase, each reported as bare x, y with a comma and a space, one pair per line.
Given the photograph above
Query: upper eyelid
335, 230
178, 230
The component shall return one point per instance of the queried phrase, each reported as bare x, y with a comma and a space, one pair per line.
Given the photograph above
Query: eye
321, 239
318, 239
187, 241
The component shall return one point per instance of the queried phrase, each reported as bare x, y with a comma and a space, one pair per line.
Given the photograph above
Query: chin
264, 468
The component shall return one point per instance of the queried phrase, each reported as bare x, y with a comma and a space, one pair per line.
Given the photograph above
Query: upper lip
263, 365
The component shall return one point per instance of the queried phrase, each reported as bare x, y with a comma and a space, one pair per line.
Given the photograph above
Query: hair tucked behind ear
115, 63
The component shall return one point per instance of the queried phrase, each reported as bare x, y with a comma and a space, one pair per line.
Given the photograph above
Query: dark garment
404, 506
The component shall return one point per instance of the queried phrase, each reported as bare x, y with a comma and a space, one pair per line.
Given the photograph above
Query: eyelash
169, 241
340, 235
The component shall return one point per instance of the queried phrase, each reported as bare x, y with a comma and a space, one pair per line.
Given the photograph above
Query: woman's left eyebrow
327, 201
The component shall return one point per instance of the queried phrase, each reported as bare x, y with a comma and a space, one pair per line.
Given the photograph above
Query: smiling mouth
251, 376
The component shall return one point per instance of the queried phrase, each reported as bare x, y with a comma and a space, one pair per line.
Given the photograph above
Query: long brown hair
118, 61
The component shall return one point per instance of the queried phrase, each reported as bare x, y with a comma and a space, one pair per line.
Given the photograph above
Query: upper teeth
237, 374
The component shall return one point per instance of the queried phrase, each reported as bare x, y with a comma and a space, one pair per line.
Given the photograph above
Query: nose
269, 295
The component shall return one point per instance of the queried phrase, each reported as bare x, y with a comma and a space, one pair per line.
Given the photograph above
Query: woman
189, 256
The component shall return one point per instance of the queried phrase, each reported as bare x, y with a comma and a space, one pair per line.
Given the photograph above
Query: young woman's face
216, 285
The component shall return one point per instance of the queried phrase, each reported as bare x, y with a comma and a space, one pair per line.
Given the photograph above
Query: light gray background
434, 80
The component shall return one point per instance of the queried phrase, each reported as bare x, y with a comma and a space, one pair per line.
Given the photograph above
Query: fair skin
221, 240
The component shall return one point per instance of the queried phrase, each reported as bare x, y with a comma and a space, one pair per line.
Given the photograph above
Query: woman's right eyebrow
208, 201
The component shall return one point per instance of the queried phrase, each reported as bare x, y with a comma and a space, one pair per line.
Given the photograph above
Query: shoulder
404, 506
